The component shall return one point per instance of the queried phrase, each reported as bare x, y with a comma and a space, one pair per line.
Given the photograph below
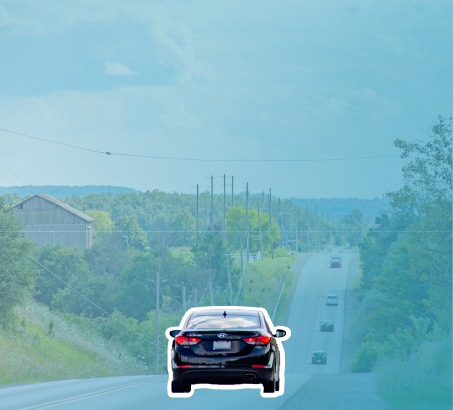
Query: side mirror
280, 333
174, 333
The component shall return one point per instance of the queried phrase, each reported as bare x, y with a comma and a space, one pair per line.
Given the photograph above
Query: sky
225, 80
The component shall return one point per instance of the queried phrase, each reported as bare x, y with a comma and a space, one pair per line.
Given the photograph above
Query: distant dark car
327, 326
232, 346
332, 300
319, 357
335, 262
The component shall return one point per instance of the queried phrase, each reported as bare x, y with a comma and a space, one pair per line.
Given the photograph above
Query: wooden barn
50, 221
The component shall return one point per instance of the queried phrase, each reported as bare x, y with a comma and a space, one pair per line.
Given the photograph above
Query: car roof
319, 352
326, 321
221, 312
336, 256
332, 296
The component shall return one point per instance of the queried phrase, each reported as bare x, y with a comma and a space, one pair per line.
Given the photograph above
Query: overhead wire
110, 153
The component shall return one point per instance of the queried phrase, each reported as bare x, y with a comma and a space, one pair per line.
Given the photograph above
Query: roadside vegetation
402, 322
40, 345
71, 314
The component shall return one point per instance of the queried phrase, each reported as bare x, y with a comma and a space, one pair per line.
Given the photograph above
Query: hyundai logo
222, 335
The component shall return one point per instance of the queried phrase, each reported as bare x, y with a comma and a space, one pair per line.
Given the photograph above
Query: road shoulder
353, 391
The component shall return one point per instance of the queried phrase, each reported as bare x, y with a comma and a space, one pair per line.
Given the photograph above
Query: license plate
221, 345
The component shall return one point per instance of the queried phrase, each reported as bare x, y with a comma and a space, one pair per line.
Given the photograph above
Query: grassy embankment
263, 281
42, 346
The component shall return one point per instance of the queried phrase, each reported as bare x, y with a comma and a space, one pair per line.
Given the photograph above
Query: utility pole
308, 229
212, 203
184, 307
127, 242
316, 229
242, 272
224, 208
207, 211
229, 280
232, 190
157, 318
197, 207
270, 221
261, 236
210, 291
247, 220
281, 223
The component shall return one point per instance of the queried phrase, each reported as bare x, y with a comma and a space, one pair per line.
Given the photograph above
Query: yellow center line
317, 320
89, 395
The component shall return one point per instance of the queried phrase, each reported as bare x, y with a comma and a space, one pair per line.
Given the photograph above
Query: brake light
185, 365
258, 341
258, 365
186, 341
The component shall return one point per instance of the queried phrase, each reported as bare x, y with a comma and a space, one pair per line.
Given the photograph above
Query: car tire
269, 387
178, 387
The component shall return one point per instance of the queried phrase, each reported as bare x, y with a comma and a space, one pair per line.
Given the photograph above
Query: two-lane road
316, 280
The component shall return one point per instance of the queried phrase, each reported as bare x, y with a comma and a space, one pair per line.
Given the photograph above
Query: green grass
422, 383
42, 346
263, 282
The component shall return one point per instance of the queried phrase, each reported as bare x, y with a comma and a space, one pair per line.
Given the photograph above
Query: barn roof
64, 206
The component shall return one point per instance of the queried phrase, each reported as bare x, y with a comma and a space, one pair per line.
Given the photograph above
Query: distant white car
332, 300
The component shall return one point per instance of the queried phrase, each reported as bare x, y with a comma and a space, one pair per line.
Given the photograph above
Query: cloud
175, 42
118, 69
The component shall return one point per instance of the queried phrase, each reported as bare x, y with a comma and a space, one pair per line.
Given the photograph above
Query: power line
196, 159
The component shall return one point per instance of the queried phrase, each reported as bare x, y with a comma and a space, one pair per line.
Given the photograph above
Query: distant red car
335, 262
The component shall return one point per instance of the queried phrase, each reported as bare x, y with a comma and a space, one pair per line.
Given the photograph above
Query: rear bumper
223, 376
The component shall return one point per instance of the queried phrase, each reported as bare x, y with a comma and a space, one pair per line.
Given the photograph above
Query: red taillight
186, 341
182, 340
259, 341
258, 365
185, 365
263, 340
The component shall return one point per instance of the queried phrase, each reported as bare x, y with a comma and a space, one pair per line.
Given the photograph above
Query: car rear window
201, 322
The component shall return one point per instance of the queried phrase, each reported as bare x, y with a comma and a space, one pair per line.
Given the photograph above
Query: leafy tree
102, 221
354, 226
16, 276
131, 233
237, 226
183, 229
64, 262
428, 176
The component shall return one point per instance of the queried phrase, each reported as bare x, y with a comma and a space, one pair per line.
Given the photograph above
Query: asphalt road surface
316, 280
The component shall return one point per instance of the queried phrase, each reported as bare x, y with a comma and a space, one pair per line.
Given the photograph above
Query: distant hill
65, 190
338, 207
